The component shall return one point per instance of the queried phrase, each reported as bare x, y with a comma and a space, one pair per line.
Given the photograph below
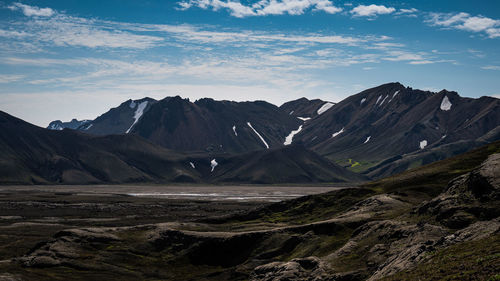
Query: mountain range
375, 133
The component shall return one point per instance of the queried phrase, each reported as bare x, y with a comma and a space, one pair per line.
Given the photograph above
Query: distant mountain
215, 126
375, 128
204, 125
378, 132
33, 155
73, 124
305, 109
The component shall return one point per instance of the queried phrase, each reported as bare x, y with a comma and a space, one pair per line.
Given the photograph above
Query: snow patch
325, 107
445, 104
132, 104
192, 165
291, 112
338, 133
213, 164
138, 113
257, 133
56, 127
289, 138
304, 118
362, 101
88, 127
393, 96
234, 130
443, 136
380, 97
383, 100
368, 139
423, 144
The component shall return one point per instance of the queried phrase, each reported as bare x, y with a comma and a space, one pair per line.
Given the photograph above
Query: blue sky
69, 58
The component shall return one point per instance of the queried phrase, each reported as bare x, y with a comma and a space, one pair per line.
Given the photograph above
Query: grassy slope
432, 179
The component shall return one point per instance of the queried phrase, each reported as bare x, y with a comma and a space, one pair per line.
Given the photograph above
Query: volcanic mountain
389, 123
205, 125
33, 155
378, 132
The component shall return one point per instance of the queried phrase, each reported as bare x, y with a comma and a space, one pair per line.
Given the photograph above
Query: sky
64, 59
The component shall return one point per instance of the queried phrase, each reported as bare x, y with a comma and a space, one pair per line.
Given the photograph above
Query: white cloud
464, 21
8, 78
31, 11
403, 56
263, 7
493, 32
421, 62
491, 67
371, 10
477, 24
407, 11
412, 12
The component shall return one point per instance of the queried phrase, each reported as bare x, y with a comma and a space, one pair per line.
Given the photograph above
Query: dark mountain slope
390, 121
119, 120
34, 155
215, 126
292, 164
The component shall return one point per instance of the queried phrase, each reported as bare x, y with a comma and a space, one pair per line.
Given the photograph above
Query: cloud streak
263, 7
45, 25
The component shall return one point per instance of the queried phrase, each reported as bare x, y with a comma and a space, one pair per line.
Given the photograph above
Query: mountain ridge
375, 132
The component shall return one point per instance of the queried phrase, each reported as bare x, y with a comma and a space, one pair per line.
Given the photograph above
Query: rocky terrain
386, 230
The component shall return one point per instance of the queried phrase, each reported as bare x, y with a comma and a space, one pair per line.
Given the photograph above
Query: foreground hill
439, 223
32, 155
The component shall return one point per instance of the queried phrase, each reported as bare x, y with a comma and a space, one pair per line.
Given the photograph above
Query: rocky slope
351, 234
390, 128
119, 120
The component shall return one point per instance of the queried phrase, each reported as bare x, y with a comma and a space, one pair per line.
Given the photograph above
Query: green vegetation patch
433, 178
